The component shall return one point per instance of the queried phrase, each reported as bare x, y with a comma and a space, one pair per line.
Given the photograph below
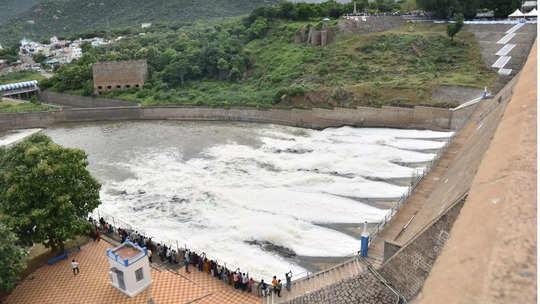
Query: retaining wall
77, 101
364, 288
81, 108
409, 267
371, 25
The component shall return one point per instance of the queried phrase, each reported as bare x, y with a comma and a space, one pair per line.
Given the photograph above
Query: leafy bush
453, 28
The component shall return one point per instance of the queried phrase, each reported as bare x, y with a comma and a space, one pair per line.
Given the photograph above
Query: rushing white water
214, 186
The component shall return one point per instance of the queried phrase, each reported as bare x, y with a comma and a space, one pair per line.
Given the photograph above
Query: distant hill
10, 8
57, 17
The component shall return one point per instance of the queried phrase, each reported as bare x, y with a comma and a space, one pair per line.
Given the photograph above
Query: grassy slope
20, 77
8, 107
390, 68
56, 17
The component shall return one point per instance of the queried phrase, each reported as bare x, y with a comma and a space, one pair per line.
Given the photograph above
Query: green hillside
252, 61
59, 17
10, 8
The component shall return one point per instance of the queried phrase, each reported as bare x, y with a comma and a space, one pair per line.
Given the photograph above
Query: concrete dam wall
81, 108
416, 249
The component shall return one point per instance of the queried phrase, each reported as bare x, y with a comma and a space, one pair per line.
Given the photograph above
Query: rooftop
127, 251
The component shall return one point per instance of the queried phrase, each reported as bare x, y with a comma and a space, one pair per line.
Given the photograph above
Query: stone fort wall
119, 75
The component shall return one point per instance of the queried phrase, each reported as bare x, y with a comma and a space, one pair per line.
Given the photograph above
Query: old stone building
119, 75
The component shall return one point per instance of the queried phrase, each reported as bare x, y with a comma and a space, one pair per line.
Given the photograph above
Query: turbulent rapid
217, 186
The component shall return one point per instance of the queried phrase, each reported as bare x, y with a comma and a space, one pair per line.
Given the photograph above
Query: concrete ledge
81, 108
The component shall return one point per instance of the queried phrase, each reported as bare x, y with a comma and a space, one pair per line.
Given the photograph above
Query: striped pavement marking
506, 38
515, 28
501, 62
505, 72
505, 50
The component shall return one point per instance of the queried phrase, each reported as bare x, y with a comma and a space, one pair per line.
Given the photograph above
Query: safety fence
114, 224
415, 180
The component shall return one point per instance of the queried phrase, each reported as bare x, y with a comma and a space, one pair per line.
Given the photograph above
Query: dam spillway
223, 188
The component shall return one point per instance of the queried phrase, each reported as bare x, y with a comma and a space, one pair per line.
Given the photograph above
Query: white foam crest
417, 144
372, 160
395, 133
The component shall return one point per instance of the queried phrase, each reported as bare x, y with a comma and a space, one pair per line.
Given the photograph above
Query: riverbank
390, 117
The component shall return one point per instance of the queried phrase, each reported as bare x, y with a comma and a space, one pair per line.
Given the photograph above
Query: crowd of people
183, 256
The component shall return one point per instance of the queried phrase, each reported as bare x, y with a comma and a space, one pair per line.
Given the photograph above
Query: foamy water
214, 186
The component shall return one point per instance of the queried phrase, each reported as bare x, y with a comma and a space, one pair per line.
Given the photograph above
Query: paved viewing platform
57, 284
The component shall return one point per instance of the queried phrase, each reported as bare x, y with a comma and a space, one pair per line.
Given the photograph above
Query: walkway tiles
57, 284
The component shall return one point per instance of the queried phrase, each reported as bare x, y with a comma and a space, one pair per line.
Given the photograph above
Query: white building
76, 52
129, 268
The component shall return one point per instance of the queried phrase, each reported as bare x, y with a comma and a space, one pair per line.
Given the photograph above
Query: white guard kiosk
130, 272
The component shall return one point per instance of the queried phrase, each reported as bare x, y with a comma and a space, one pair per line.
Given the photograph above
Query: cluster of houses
57, 52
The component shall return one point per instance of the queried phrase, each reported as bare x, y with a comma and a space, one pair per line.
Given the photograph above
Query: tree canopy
448, 8
11, 258
46, 191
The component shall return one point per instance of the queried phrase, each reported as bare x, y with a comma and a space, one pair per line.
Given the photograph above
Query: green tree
408, 5
258, 28
11, 258
501, 8
46, 191
453, 28
39, 57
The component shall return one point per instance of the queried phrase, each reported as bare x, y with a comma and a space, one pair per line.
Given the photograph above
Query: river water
213, 186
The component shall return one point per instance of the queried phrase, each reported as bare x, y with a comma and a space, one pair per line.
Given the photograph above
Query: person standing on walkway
75, 267
250, 285
186, 263
96, 235
263, 287
244, 281
274, 283
278, 288
288, 277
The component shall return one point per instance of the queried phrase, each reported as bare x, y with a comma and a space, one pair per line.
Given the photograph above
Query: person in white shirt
75, 267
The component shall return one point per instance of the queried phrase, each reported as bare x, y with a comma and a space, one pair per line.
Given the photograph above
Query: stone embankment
106, 109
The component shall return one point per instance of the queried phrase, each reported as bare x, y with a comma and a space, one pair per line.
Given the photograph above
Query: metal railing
415, 181
117, 223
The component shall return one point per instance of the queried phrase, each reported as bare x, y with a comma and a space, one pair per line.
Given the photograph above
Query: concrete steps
322, 279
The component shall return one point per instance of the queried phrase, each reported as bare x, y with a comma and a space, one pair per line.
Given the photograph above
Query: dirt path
490, 256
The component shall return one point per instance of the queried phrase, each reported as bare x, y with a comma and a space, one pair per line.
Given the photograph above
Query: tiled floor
57, 284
